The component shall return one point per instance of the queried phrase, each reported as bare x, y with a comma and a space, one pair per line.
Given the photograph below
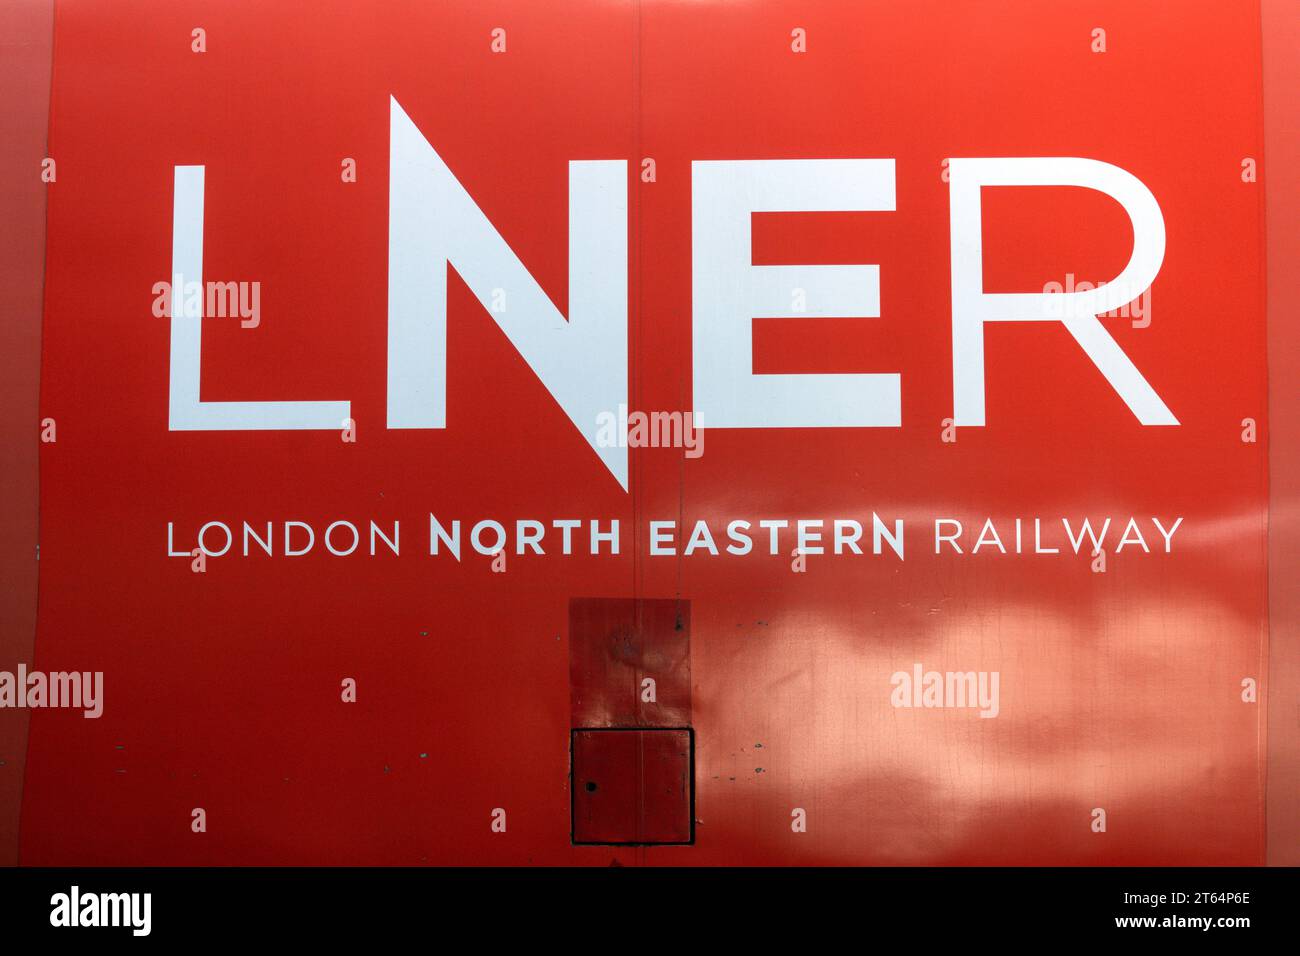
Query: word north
582, 358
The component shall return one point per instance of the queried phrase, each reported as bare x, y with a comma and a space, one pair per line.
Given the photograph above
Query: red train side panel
971, 678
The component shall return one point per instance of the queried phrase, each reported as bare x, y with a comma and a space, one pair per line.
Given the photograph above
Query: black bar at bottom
578, 907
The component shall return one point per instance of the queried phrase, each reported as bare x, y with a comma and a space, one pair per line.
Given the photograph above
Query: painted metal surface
1119, 690
632, 786
1281, 90
630, 662
26, 36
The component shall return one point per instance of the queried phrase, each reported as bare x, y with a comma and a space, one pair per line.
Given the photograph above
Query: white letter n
433, 222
